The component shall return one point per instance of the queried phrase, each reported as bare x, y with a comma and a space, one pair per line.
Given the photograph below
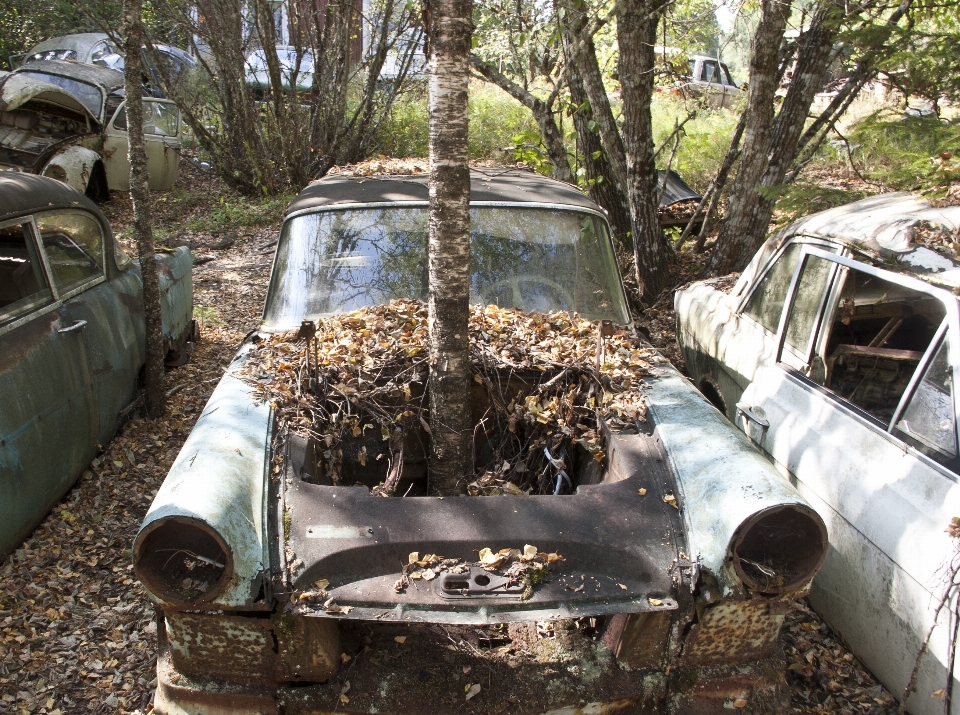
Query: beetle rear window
534, 259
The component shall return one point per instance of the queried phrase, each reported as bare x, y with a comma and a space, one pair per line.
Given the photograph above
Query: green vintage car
71, 340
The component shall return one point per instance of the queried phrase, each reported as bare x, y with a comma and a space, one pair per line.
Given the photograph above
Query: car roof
77, 41
883, 229
27, 193
109, 79
502, 185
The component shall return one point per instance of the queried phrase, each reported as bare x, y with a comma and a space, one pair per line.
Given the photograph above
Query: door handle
79, 325
747, 411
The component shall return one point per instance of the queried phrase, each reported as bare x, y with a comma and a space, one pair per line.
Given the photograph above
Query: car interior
21, 278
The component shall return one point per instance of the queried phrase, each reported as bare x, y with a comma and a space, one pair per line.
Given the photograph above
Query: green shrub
495, 119
907, 153
703, 142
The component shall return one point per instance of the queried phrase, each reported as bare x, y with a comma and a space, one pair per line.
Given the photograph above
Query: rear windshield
534, 259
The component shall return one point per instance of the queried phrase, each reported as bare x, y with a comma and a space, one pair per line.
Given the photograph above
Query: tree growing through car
450, 28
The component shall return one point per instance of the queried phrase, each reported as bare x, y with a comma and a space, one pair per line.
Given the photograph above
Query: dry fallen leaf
321, 584
472, 690
655, 601
467, 669
671, 500
344, 658
400, 639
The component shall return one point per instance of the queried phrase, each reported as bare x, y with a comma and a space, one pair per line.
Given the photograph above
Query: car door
48, 420
109, 305
730, 90
733, 338
858, 409
161, 134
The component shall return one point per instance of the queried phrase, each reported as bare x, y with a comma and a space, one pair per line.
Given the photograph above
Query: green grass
225, 213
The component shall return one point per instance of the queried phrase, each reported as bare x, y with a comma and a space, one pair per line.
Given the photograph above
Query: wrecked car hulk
68, 121
639, 554
836, 352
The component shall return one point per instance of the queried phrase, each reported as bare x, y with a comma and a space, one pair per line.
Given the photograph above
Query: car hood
16, 90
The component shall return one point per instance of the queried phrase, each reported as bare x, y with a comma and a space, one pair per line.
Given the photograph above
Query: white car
296, 70
837, 352
68, 121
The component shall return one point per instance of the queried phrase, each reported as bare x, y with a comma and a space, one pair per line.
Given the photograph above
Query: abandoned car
71, 340
68, 121
648, 570
97, 48
836, 353
710, 80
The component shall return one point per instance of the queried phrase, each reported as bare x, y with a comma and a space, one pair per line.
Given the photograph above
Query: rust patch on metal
231, 647
733, 632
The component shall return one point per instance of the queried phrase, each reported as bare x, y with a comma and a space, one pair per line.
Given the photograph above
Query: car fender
74, 166
215, 488
731, 496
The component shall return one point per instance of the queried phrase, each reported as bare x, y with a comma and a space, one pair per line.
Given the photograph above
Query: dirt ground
77, 633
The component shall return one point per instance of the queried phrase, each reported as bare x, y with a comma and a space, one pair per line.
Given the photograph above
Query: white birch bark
451, 460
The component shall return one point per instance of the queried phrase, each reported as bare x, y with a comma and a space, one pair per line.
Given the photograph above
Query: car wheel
97, 189
712, 393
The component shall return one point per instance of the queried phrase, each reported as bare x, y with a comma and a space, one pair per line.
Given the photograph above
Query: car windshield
89, 95
534, 259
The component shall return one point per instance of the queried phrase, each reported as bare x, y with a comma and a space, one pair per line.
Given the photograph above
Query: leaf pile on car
364, 373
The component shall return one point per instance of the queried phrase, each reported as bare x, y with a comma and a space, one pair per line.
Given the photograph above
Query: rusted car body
836, 352
67, 120
685, 609
71, 341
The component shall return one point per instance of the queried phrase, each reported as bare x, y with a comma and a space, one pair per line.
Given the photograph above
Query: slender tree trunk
744, 199
636, 37
451, 460
140, 194
582, 54
542, 112
601, 184
746, 226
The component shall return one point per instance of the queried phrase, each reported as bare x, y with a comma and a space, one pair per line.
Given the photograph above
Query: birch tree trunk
140, 195
451, 460
636, 38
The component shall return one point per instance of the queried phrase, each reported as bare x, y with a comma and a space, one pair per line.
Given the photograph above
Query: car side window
23, 284
73, 243
869, 346
710, 73
765, 304
929, 418
159, 119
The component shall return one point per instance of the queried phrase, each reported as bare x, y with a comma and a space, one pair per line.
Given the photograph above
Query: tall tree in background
449, 31
133, 37
745, 201
637, 23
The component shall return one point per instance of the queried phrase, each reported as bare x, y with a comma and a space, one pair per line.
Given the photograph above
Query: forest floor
77, 631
